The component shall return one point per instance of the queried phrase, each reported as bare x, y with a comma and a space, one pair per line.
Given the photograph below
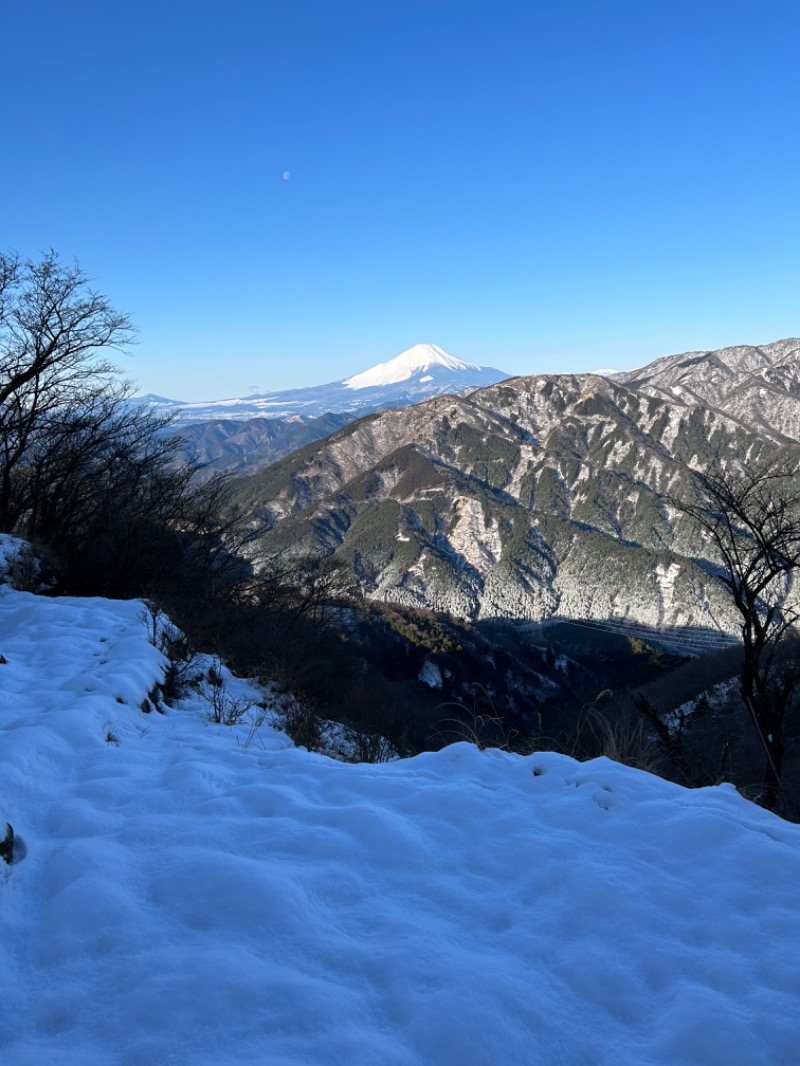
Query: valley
541, 521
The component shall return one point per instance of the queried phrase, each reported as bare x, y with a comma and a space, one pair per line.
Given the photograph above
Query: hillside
250, 444
538, 497
758, 385
194, 893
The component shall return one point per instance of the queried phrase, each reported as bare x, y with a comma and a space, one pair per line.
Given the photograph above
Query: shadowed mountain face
538, 497
758, 386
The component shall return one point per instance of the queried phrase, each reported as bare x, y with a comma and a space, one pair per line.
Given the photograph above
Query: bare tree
54, 333
95, 477
751, 517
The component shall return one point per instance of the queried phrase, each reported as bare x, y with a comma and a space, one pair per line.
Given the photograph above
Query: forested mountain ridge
536, 497
247, 445
758, 385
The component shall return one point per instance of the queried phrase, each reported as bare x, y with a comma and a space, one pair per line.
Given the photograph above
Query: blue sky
538, 187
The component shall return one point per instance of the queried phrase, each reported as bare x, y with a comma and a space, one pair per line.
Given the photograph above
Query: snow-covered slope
416, 360
757, 385
422, 371
182, 897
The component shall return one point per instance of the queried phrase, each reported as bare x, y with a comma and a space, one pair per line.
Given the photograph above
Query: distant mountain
757, 385
416, 374
247, 445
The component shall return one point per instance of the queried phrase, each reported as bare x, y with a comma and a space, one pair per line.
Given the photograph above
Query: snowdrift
179, 896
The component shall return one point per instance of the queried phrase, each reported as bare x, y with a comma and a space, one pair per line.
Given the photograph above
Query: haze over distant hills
422, 371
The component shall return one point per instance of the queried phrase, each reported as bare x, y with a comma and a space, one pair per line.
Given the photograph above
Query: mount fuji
420, 372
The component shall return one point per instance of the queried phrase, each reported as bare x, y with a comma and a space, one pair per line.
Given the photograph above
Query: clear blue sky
542, 187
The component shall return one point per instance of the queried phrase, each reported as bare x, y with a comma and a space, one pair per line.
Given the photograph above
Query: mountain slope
422, 371
538, 497
759, 386
418, 362
248, 445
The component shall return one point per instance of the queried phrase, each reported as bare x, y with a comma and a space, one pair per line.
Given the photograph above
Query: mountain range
758, 386
247, 434
538, 497
422, 371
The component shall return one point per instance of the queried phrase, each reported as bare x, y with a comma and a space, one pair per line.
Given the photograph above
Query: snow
385, 385
11, 548
430, 674
190, 893
412, 361
18, 564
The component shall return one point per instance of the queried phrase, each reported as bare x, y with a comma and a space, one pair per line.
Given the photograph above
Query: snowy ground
179, 898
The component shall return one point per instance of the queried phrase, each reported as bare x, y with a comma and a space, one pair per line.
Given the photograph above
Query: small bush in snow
302, 724
214, 676
225, 709
359, 746
256, 718
23, 571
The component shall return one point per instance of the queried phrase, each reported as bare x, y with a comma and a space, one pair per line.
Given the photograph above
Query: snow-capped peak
415, 360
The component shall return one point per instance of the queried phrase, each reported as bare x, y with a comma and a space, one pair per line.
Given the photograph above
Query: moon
286, 175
